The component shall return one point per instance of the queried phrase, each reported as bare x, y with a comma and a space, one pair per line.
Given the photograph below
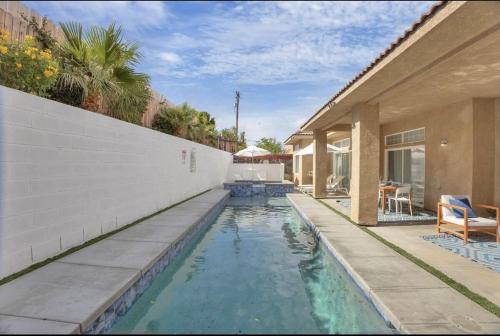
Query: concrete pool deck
412, 299
68, 295
476, 277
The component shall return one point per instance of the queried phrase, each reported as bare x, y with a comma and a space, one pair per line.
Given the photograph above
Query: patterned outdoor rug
419, 215
480, 248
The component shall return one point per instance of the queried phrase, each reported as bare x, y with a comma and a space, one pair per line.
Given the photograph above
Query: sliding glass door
407, 166
342, 167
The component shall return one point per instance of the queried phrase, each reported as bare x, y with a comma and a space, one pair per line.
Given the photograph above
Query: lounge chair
449, 222
332, 185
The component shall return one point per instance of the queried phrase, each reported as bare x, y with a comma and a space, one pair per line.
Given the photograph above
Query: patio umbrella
252, 151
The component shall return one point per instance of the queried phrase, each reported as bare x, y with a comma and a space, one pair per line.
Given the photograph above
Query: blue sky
286, 58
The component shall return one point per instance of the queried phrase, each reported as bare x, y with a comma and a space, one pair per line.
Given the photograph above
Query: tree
230, 133
177, 120
206, 131
100, 65
271, 145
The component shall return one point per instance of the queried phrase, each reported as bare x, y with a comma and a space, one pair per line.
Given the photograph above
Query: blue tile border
345, 265
121, 305
250, 189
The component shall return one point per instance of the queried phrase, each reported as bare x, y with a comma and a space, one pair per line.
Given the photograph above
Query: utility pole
237, 109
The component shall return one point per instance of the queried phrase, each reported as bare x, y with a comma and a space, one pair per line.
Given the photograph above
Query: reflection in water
257, 269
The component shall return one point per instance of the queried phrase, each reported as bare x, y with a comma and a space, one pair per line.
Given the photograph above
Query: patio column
365, 164
320, 163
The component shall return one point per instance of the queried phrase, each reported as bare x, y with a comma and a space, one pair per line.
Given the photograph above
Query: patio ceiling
452, 57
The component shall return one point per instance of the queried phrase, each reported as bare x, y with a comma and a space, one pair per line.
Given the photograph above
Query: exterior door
407, 166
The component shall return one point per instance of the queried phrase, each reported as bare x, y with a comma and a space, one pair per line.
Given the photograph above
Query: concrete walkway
411, 298
67, 295
476, 277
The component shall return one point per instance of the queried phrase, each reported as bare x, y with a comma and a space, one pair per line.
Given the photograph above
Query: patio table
386, 190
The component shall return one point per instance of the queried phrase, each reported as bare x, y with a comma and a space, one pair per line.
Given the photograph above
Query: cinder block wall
68, 175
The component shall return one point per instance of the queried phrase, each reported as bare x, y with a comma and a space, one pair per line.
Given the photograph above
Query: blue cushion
462, 202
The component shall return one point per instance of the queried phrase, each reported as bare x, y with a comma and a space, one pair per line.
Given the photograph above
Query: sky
286, 58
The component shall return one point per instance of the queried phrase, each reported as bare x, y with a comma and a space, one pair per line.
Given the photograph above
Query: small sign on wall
184, 152
192, 160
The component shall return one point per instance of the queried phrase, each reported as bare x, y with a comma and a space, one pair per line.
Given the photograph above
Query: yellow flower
33, 57
38, 77
3, 49
28, 52
29, 38
45, 54
19, 65
48, 73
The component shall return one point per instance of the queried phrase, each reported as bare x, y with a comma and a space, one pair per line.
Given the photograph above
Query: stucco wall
448, 169
68, 175
467, 164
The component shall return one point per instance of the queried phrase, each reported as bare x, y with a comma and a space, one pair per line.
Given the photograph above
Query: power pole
237, 108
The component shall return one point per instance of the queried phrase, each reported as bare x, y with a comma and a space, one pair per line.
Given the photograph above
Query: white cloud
169, 57
284, 42
131, 15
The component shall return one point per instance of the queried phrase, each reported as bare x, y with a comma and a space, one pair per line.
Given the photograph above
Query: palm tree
101, 65
206, 132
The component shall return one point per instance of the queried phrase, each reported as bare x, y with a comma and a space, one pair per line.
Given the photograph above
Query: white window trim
402, 137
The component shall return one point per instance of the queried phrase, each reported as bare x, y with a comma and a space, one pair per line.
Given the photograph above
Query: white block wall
268, 171
68, 175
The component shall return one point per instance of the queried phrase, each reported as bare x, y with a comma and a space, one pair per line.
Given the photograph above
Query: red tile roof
410, 31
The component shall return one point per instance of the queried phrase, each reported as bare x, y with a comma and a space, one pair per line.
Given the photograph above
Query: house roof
409, 32
296, 135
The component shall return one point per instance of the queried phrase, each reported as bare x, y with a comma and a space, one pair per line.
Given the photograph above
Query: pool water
257, 269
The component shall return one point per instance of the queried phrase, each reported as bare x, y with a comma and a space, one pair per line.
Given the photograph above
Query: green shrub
25, 67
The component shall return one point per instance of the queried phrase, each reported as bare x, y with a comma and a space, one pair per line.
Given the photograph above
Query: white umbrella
308, 150
252, 151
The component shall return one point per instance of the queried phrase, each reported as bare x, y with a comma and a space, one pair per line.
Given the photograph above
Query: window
297, 164
406, 137
344, 144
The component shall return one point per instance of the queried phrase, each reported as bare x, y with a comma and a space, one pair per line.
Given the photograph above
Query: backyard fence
12, 21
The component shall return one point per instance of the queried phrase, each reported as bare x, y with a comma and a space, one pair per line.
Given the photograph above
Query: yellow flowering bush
23, 66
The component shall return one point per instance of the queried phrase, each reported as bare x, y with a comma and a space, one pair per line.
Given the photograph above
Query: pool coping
354, 276
479, 319
129, 282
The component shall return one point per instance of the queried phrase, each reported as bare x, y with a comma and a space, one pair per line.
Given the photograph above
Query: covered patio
424, 114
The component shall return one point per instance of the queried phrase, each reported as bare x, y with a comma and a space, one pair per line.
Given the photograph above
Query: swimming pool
257, 269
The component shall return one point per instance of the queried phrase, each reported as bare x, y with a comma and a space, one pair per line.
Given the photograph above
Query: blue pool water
257, 269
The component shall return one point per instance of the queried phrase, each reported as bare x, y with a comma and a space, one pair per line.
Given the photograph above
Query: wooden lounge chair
449, 223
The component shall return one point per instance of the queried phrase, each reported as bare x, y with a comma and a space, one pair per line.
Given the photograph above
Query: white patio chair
334, 184
402, 195
449, 223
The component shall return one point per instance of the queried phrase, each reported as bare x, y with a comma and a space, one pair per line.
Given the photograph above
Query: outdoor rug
419, 215
479, 249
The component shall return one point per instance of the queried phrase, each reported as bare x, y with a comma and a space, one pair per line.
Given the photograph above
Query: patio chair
402, 195
334, 184
450, 221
